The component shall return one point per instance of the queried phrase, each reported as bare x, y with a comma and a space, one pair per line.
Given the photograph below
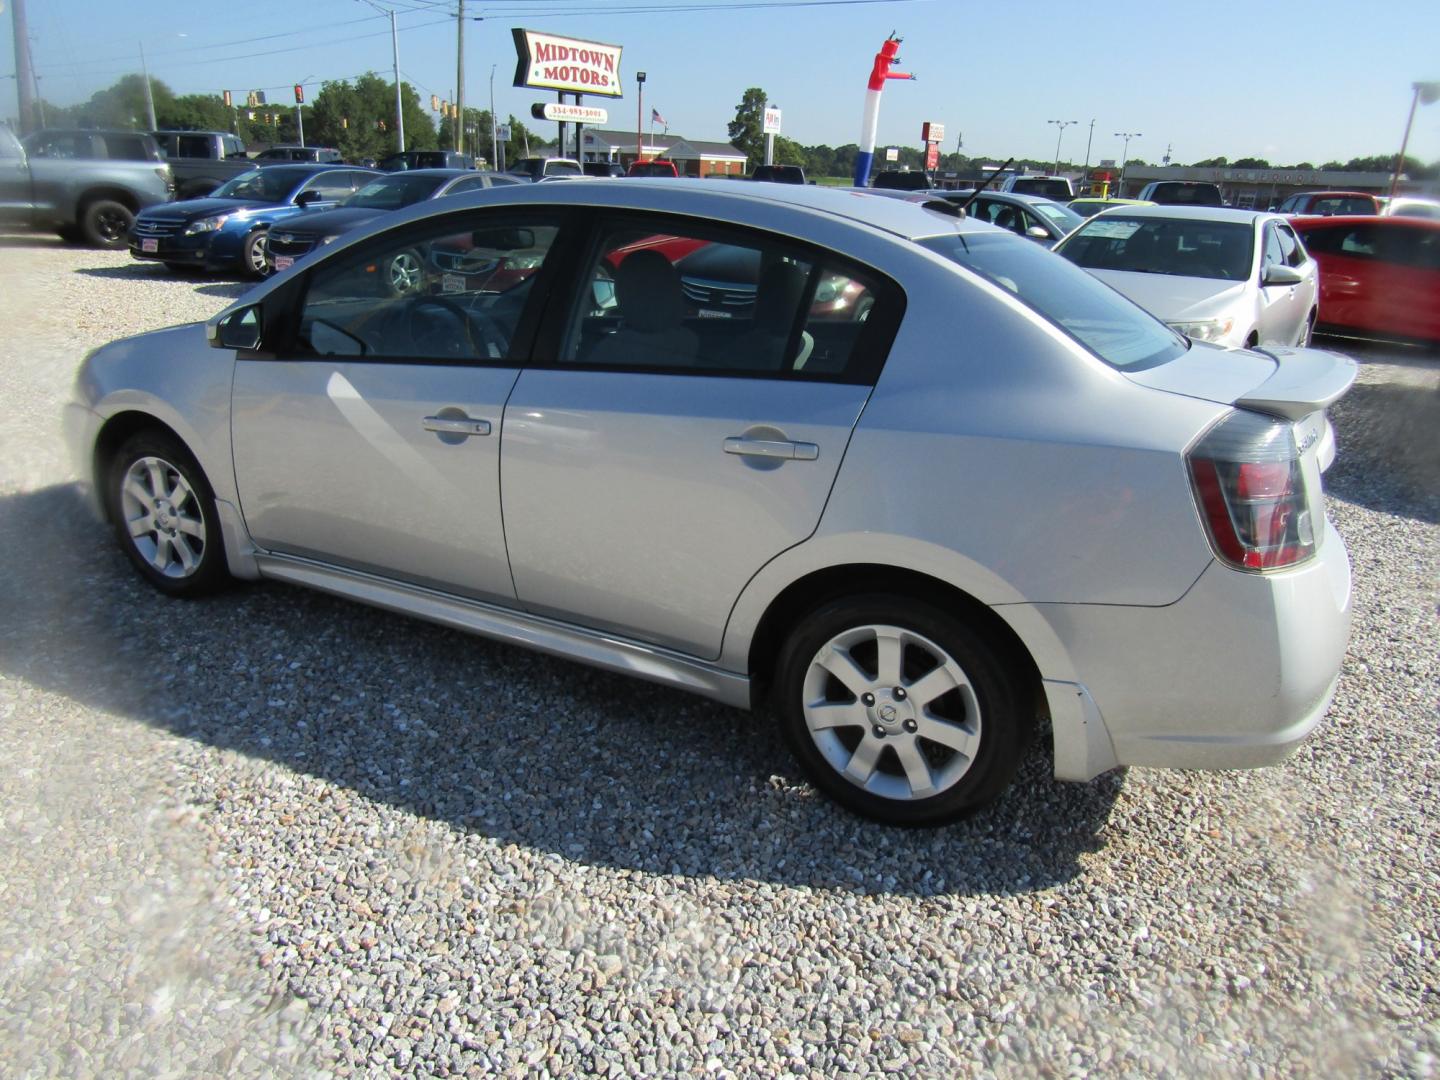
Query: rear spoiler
1305, 381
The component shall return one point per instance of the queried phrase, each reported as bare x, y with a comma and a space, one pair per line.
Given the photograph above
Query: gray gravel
277, 833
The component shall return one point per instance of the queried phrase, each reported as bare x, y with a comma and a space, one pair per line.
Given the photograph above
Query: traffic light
344, 121
434, 102
299, 94
226, 95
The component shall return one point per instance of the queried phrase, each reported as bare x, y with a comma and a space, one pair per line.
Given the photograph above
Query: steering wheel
481, 333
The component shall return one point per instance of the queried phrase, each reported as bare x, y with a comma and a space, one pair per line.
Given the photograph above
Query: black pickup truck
82, 184
202, 160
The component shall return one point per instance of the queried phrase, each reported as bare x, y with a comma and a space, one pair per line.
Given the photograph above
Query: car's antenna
988, 181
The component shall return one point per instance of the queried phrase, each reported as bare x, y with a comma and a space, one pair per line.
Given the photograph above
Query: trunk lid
1283, 382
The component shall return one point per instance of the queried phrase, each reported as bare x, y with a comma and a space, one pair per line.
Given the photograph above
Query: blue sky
1288, 83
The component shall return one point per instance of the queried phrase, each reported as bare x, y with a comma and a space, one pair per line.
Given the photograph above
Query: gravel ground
275, 833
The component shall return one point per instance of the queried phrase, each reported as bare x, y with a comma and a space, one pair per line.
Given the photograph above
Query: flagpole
1404, 143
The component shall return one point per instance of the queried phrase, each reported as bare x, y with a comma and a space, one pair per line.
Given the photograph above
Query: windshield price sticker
1113, 230
452, 283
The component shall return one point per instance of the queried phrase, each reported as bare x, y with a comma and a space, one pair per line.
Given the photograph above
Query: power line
269, 52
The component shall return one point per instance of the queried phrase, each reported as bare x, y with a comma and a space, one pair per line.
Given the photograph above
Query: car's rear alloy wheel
404, 275
899, 711
164, 515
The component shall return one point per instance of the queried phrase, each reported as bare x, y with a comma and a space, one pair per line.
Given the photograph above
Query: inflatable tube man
885, 59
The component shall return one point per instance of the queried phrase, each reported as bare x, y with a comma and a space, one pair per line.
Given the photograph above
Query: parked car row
760, 442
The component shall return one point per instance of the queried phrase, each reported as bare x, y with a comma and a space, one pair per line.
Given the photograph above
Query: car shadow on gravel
135, 271
491, 739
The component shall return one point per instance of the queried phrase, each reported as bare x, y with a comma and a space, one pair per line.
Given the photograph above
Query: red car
1330, 203
1378, 275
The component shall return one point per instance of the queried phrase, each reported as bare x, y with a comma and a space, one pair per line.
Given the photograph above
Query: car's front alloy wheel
164, 516
899, 711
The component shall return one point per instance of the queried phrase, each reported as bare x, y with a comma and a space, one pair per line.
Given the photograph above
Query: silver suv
911, 479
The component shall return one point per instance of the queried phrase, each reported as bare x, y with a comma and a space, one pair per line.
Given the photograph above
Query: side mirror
305, 198
1277, 274
238, 330
1035, 232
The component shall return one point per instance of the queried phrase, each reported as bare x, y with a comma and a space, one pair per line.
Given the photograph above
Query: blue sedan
228, 230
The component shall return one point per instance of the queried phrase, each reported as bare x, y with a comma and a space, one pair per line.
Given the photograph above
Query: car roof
1321, 221
1329, 194
1007, 196
706, 198
1203, 213
447, 173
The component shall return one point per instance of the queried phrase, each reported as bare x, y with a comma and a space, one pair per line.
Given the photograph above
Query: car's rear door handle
772, 448
457, 425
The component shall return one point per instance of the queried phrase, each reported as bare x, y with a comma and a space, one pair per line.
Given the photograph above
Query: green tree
746, 130
1211, 163
119, 106
1250, 163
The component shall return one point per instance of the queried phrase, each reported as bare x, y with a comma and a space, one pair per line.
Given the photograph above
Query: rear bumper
1235, 674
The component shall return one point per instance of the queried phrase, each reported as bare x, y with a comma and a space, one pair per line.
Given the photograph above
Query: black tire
252, 256
71, 234
992, 716
159, 535
105, 223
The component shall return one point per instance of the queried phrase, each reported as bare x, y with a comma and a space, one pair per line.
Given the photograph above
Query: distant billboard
772, 122
550, 62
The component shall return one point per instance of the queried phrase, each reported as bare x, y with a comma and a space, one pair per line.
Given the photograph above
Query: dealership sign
550, 62
772, 122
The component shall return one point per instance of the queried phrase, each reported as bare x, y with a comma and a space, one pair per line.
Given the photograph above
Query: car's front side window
711, 301
452, 294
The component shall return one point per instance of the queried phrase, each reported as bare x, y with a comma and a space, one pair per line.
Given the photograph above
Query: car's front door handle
457, 425
772, 448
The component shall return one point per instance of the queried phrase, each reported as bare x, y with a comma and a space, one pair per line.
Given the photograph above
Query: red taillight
1251, 492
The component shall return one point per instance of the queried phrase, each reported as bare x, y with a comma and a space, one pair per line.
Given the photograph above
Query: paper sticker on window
1113, 230
452, 283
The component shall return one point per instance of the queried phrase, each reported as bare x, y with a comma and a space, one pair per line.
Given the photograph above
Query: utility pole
460, 78
1125, 155
395, 52
399, 101
24, 73
1088, 141
494, 141
639, 112
1062, 124
149, 97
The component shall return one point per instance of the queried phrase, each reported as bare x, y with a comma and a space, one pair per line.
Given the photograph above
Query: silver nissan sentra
914, 480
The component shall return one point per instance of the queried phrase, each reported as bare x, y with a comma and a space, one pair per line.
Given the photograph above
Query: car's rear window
1175, 193
1050, 189
1095, 315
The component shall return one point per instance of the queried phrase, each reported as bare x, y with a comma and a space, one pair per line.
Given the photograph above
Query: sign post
932, 134
771, 128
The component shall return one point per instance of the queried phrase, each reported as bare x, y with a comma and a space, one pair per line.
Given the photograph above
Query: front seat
652, 317
777, 302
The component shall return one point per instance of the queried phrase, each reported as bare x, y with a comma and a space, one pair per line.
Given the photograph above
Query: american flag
656, 118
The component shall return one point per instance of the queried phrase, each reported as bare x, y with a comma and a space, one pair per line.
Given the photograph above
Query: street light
1125, 154
639, 112
1062, 125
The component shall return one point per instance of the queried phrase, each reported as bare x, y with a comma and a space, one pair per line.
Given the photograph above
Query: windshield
1063, 216
1091, 312
393, 192
265, 185
1180, 246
